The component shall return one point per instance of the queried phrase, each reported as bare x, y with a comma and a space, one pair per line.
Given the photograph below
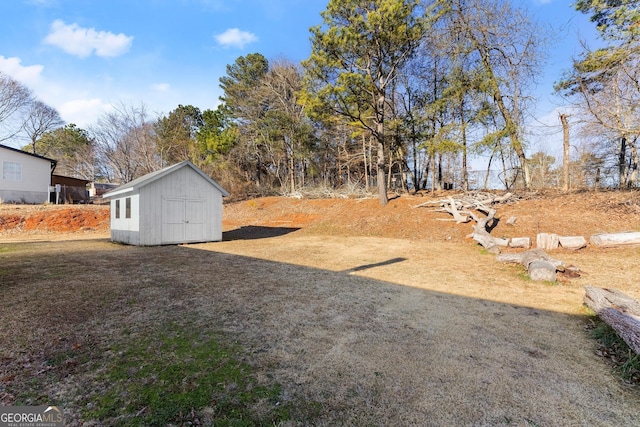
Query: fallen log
573, 242
539, 265
513, 242
547, 241
502, 242
481, 229
611, 240
462, 208
487, 241
457, 215
542, 271
619, 311
520, 242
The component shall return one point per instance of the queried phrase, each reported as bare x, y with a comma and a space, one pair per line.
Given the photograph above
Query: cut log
619, 311
502, 242
520, 242
600, 298
573, 242
547, 241
611, 240
628, 327
542, 271
539, 265
480, 232
486, 240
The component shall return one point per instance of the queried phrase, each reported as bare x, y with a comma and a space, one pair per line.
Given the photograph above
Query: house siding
33, 186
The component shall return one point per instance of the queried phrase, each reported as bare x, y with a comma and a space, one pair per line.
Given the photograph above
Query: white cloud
233, 37
29, 75
83, 112
82, 42
161, 87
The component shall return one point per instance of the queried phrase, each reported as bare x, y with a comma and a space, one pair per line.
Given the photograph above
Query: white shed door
182, 220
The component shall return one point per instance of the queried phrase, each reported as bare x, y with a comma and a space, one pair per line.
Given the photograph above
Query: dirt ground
382, 315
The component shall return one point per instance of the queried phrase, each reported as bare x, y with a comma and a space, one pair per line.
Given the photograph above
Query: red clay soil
56, 219
579, 213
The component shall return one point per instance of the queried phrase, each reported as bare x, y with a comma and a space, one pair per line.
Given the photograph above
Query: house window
12, 171
127, 207
117, 209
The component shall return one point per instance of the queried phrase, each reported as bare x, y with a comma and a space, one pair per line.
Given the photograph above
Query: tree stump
547, 241
539, 265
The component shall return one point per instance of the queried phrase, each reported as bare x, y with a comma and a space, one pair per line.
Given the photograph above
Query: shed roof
153, 176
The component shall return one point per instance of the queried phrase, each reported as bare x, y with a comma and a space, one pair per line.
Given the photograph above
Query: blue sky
81, 56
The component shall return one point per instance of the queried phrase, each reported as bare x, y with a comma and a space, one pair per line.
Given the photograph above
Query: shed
177, 204
72, 190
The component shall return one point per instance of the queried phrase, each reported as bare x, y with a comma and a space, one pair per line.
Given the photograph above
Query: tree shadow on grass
251, 232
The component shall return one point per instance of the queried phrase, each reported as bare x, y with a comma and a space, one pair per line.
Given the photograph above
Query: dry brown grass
377, 330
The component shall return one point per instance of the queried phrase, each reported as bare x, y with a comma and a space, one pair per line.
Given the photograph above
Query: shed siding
176, 205
33, 186
185, 184
125, 229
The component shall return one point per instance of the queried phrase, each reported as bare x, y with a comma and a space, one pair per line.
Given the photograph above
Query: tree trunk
465, 172
364, 154
382, 182
573, 242
380, 137
547, 241
520, 242
619, 311
611, 240
539, 265
622, 164
565, 156
634, 160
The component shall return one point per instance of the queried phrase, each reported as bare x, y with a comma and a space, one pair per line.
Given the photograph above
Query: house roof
153, 176
53, 162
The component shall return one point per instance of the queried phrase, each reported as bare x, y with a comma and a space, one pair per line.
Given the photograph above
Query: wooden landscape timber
619, 311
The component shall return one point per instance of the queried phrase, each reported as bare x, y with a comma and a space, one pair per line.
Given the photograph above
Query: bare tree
14, 98
126, 144
607, 106
41, 118
508, 46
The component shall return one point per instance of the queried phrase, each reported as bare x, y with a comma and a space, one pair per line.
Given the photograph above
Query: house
177, 204
24, 177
